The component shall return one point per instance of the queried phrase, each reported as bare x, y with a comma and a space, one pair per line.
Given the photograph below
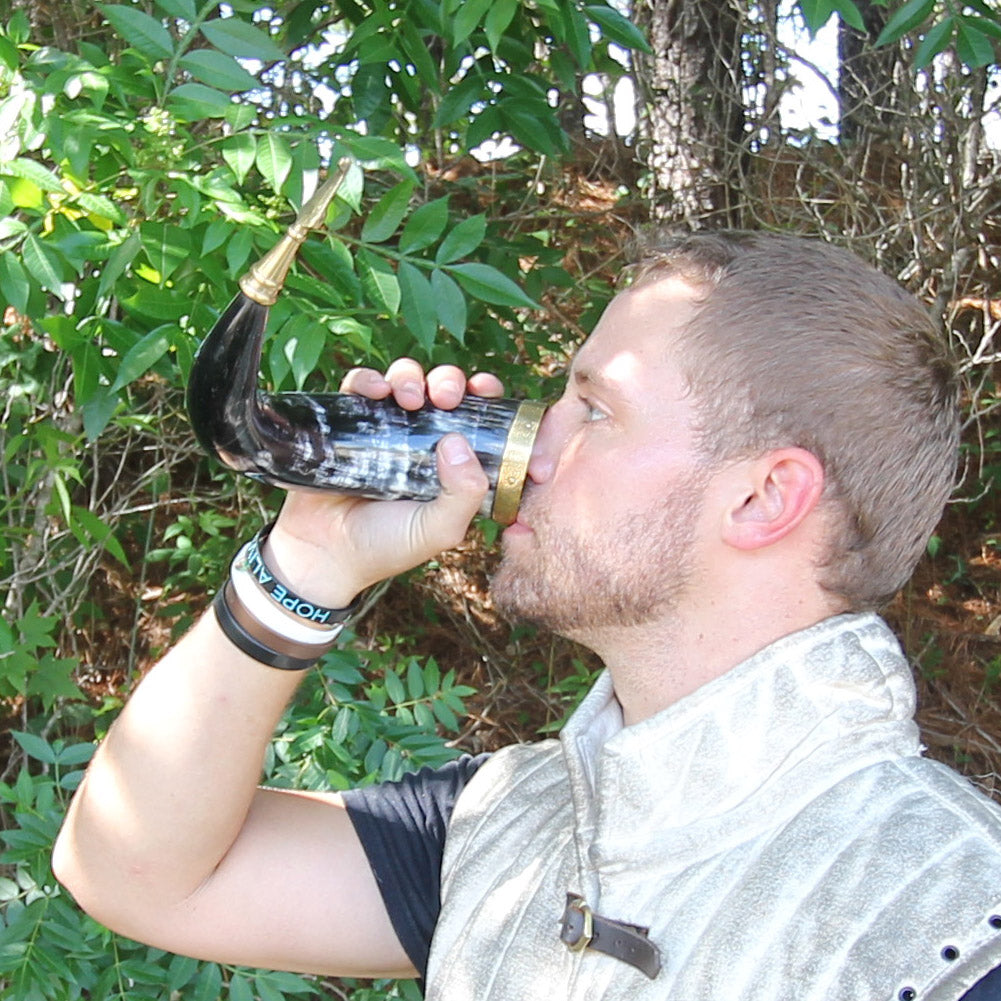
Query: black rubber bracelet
281, 594
252, 647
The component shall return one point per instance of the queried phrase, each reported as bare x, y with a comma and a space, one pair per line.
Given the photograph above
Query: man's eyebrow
589, 377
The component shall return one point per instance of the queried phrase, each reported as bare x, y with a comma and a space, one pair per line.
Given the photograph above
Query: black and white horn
336, 441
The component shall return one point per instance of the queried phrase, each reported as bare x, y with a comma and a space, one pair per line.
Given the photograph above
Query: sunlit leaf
467, 19
141, 357
140, 30
274, 160
34, 746
424, 226
379, 282
43, 265
218, 70
417, 305
462, 240
237, 38
937, 39
183, 9
166, 246
387, 214
304, 344
905, 19
484, 282
973, 46
450, 304
239, 152
14, 284
195, 100
32, 171
617, 28
498, 18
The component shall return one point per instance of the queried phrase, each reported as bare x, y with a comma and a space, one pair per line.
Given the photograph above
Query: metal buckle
587, 933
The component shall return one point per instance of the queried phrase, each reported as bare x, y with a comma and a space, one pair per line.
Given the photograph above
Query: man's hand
329, 547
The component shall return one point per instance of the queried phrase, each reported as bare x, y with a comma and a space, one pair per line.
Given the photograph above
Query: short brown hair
798, 342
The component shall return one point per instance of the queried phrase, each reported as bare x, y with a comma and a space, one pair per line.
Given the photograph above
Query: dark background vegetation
150, 152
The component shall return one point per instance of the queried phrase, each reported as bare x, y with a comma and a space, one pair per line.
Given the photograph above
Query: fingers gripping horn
336, 441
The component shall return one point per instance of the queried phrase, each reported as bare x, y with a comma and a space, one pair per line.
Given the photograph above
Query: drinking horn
337, 441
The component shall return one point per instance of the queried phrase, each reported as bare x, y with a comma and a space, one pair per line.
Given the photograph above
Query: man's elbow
108, 892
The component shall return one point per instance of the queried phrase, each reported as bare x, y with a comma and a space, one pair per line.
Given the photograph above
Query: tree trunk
692, 88
866, 79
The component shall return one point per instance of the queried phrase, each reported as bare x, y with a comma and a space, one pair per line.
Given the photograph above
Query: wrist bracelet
250, 559
273, 616
257, 641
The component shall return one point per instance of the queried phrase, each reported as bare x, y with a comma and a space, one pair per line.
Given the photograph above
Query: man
751, 452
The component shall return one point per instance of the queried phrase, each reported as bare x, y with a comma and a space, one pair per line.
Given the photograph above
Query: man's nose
546, 449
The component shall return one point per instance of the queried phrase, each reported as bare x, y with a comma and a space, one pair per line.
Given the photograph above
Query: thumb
463, 487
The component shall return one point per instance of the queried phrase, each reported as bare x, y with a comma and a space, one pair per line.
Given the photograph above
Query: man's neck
655, 665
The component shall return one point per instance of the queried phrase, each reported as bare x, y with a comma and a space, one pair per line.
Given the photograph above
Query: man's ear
773, 494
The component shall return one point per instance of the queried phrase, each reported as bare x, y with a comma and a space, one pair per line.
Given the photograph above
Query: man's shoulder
529, 765
911, 804
512, 778
929, 790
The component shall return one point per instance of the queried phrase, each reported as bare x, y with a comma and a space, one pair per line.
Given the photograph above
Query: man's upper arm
295, 892
402, 826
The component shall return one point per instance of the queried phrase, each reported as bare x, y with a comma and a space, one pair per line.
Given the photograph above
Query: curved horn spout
333, 441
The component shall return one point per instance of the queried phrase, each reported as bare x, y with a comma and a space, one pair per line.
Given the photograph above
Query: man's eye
594, 414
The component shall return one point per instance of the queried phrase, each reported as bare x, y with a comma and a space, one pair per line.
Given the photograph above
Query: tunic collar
748, 747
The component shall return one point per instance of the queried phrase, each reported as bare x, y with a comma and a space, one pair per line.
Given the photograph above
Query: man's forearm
168, 790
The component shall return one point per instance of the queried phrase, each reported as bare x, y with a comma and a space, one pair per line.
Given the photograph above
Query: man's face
607, 532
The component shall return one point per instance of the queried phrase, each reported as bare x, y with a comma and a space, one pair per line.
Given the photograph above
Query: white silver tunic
777, 831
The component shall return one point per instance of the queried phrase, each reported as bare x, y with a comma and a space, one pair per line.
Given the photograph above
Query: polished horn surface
336, 441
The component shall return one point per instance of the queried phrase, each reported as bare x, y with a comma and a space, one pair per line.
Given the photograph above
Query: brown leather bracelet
259, 642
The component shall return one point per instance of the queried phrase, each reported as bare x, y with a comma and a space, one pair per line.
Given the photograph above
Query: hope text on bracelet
251, 559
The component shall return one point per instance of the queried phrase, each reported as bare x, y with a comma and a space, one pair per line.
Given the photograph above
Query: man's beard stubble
624, 575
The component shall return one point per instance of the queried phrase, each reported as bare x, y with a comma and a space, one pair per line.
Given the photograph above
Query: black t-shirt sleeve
987, 989
402, 827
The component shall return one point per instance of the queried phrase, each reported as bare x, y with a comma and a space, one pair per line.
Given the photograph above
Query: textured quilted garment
777, 831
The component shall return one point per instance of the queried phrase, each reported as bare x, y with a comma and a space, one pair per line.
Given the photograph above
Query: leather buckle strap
582, 929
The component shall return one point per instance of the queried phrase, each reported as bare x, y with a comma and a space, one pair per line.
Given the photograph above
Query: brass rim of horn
514, 461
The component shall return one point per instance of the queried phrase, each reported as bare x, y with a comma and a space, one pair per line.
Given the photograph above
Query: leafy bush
139, 177
357, 718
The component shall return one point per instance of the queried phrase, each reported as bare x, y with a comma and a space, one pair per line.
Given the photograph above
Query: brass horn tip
314, 212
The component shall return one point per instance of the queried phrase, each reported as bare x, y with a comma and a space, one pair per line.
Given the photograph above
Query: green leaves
974, 34
142, 31
240, 153
976, 38
816, 13
462, 240
28, 668
43, 264
439, 300
141, 357
424, 226
490, 285
618, 28
905, 19
419, 310
384, 219
15, 285
236, 38
274, 160
216, 69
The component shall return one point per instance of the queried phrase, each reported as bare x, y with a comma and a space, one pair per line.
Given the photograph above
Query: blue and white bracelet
268, 621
